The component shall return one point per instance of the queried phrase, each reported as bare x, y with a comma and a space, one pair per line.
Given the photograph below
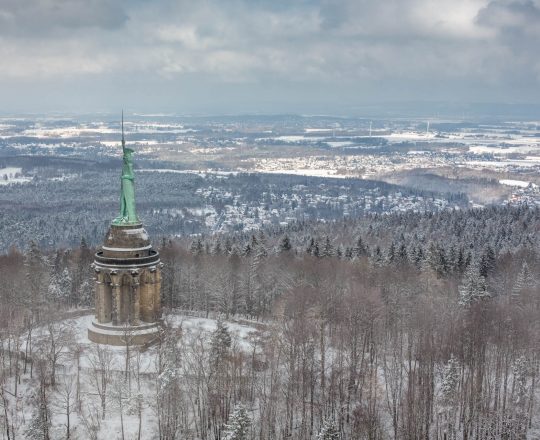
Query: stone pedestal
123, 335
128, 288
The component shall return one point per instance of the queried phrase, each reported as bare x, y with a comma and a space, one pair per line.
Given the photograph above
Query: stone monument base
119, 335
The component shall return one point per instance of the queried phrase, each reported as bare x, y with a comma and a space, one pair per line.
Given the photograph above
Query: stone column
157, 293
100, 300
115, 297
150, 293
136, 298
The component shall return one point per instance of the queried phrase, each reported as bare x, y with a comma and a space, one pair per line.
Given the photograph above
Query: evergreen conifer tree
328, 431
391, 254
473, 286
377, 257
238, 426
39, 424
196, 247
284, 245
216, 249
220, 344
311, 246
328, 249
450, 380
246, 251
487, 262
402, 254
360, 249
524, 281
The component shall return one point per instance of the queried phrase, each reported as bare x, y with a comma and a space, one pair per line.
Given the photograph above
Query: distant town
227, 174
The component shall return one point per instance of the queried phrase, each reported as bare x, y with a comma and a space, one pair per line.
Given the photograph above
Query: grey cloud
518, 16
27, 18
312, 50
516, 24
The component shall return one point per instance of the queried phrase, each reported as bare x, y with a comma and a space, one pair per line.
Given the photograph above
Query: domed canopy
127, 245
126, 239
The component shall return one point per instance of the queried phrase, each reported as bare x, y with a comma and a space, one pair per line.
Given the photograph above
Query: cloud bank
250, 55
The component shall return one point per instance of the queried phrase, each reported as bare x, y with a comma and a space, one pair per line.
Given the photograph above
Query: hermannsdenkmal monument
127, 273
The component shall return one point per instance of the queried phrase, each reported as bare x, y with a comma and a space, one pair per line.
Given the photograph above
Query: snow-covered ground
410, 136
204, 151
198, 172
11, 175
528, 162
68, 132
241, 333
305, 172
144, 378
117, 144
519, 183
505, 150
318, 130
190, 325
339, 144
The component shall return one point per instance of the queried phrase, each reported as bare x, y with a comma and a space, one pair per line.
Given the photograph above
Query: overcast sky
220, 56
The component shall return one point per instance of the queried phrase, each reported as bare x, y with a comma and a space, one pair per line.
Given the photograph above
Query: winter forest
400, 326
270, 220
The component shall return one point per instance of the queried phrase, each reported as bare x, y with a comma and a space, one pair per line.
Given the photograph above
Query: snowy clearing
11, 175
483, 149
520, 183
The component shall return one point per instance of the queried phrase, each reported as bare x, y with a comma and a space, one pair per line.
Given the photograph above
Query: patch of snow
297, 138
530, 161
8, 176
211, 150
202, 211
409, 136
306, 172
198, 172
338, 144
485, 149
317, 130
520, 183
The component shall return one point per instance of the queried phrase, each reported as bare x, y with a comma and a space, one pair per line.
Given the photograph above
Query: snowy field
306, 172
518, 183
198, 172
11, 175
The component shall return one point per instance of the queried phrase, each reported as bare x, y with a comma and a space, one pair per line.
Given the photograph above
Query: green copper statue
127, 191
